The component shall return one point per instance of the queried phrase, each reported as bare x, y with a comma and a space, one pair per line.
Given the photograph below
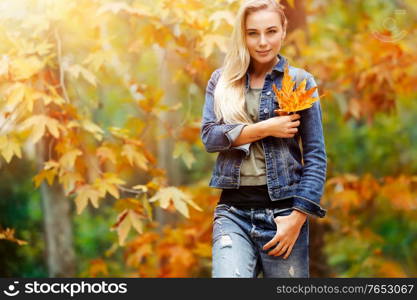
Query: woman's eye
272, 31
252, 33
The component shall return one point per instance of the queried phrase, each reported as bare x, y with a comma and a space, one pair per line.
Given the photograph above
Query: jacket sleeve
311, 186
217, 136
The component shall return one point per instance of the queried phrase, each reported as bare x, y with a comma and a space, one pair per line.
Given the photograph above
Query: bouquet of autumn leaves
291, 100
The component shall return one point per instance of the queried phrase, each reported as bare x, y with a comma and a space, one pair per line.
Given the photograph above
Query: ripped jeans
238, 237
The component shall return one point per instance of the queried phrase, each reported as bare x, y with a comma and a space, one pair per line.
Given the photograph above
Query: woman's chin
264, 59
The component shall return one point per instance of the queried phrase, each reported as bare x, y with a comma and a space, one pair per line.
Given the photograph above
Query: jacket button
266, 110
268, 93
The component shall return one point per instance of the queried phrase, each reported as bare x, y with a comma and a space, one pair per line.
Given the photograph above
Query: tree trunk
166, 145
58, 233
296, 15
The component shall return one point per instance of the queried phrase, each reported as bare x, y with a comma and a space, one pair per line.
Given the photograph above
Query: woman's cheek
251, 45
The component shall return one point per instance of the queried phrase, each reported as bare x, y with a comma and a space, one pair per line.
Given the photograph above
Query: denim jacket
291, 170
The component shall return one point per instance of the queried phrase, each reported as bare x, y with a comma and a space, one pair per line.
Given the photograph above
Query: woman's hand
288, 229
282, 126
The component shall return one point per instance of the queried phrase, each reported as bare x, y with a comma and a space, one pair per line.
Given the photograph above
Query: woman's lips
263, 53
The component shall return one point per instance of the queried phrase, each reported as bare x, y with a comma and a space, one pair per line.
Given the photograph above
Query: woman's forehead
262, 19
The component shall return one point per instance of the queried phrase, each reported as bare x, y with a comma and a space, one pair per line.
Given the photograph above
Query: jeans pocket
222, 206
280, 212
220, 210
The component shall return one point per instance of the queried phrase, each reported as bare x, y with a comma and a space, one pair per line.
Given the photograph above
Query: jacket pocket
226, 162
293, 159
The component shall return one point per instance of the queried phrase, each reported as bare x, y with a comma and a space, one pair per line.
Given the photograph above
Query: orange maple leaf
291, 100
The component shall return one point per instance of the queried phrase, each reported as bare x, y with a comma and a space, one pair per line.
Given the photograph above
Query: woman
270, 187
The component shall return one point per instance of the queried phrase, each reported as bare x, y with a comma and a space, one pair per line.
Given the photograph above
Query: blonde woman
270, 186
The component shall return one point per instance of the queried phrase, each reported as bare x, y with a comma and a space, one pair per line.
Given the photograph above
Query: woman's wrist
251, 133
263, 128
299, 216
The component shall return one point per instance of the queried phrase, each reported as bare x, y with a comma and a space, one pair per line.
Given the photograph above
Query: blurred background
102, 171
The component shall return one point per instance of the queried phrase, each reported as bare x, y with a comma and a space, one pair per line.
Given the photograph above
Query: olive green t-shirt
252, 170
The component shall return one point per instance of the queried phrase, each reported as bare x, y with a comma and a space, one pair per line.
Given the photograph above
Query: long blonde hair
229, 95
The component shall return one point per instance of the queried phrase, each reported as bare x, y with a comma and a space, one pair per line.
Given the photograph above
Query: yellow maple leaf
69, 180
38, 124
183, 149
76, 70
25, 67
135, 220
105, 153
291, 100
224, 15
49, 175
134, 157
53, 96
84, 194
93, 128
9, 147
31, 95
108, 184
178, 198
49, 172
127, 218
212, 40
67, 160
96, 60
16, 94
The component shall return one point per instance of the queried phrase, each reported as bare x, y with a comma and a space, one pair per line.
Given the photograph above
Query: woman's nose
262, 41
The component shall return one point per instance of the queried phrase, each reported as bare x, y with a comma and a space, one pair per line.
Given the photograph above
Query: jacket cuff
307, 206
303, 211
233, 134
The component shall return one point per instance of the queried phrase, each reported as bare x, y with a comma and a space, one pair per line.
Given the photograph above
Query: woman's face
264, 35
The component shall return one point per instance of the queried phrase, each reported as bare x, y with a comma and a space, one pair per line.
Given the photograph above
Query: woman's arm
280, 126
251, 133
217, 136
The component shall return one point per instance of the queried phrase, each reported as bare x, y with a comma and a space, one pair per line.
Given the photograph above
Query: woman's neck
259, 70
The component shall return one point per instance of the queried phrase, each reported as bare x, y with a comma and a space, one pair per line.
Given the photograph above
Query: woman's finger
272, 242
295, 124
280, 112
289, 251
294, 117
276, 249
283, 250
278, 246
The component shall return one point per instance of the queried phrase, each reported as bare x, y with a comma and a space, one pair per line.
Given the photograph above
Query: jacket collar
279, 67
